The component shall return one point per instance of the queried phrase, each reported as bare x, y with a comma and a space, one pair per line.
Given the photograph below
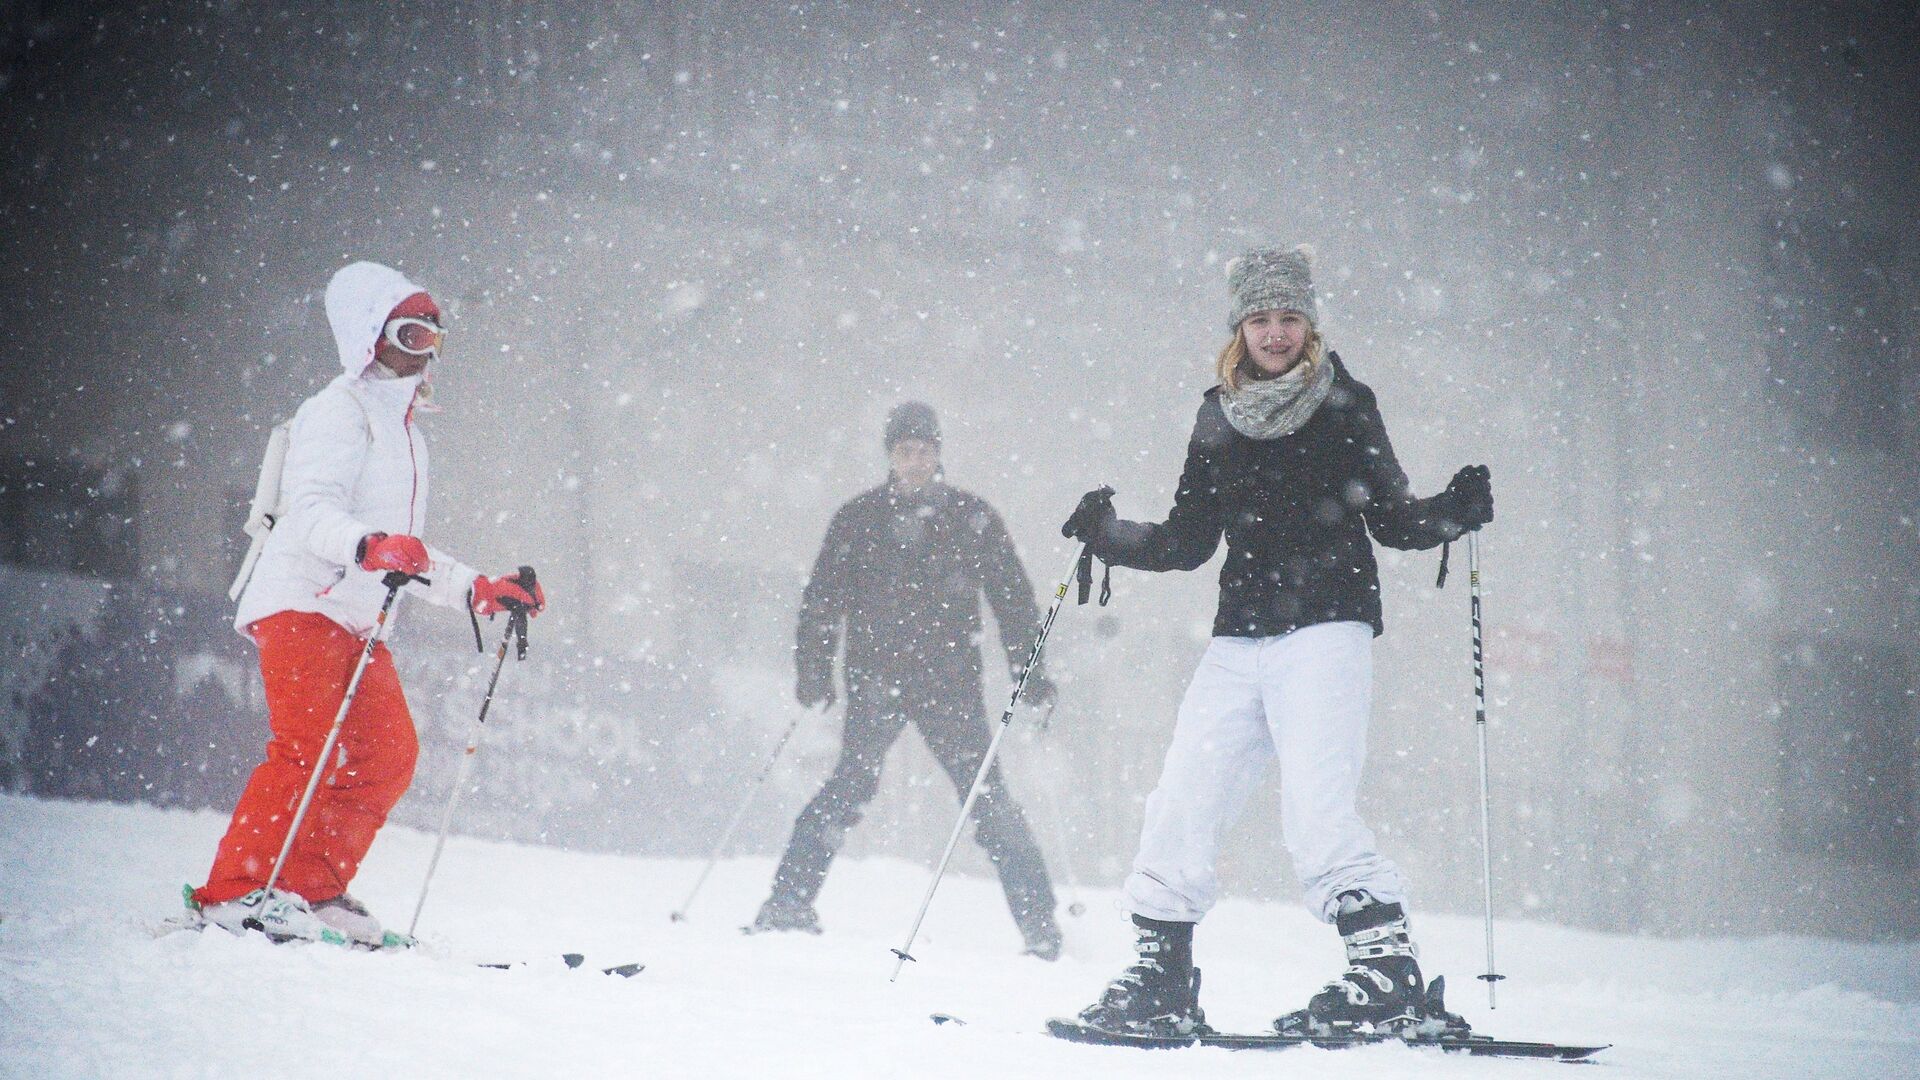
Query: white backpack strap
269, 501
268, 505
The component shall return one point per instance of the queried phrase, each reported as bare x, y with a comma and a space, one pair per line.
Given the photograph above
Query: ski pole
904, 952
1480, 728
393, 580
726, 835
516, 631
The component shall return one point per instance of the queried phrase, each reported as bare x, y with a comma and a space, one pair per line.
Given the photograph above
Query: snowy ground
87, 990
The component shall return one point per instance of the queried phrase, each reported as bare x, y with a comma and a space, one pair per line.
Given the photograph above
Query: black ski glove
1091, 518
1040, 690
814, 688
1467, 503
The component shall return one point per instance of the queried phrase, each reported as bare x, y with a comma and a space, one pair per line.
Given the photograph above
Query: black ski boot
1381, 990
1160, 994
777, 915
1042, 934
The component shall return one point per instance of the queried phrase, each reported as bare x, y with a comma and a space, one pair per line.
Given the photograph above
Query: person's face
1275, 340
914, 462
401, 361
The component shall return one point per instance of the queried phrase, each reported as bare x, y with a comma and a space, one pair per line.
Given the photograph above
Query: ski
191, 922
574, 961
1478, 1045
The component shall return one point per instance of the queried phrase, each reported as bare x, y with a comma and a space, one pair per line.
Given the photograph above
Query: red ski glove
378, 551
490, 596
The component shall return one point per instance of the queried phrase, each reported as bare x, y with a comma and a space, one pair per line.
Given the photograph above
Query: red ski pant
307, 661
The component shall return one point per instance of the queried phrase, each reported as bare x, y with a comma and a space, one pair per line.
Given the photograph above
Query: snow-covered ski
191, 921
1479, 1045
575, 961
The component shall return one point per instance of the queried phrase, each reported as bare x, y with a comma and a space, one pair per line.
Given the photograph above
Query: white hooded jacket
356, 464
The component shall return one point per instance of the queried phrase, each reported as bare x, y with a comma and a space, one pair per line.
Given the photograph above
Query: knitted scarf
1277, 407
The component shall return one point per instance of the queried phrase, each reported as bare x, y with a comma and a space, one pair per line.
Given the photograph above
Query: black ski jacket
1295, 512
903, 574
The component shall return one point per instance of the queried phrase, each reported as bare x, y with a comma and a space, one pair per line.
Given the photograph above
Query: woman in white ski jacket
355, 497
1290, 463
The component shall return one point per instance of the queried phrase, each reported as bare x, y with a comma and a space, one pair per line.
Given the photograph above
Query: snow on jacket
1295, 512
356, 464
903, 573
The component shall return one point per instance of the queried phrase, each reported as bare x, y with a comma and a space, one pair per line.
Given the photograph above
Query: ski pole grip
396, 578
525, 578
520, 614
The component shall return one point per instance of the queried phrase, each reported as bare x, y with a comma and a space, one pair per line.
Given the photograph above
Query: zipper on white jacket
413, 462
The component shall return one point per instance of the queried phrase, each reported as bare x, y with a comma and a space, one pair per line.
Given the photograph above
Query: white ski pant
1303, 697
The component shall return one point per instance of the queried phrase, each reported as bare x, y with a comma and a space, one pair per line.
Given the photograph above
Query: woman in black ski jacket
1290, 462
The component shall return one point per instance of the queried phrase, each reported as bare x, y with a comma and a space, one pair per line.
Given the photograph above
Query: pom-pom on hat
1273, 279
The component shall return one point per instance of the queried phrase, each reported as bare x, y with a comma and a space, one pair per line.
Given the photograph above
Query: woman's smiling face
1275, 340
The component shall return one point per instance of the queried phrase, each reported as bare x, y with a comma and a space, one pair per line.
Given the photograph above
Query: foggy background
1655, 264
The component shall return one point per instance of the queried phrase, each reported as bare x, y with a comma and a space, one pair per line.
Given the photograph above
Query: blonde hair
1234, 363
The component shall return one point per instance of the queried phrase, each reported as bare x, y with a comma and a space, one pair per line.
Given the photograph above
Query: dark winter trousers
958, 736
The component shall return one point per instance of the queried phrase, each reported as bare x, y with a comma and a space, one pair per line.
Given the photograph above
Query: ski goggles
415, 337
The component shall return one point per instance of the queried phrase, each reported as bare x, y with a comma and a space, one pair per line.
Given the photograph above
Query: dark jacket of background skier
903, 574
1295, 512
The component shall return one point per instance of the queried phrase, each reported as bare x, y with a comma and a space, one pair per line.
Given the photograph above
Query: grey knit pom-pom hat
1273, 278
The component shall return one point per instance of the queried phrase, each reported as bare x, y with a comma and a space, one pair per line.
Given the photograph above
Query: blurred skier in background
1289, 460
901, 571
354, 485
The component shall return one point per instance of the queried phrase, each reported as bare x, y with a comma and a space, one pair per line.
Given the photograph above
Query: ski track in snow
87, 989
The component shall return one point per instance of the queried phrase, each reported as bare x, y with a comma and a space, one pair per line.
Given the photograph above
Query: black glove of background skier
814, 688
1468, 501
1040, 691
1091, 518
